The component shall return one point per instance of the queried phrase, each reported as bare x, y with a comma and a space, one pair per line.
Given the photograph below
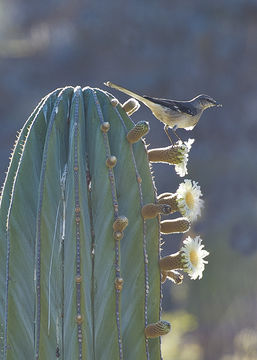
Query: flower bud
79, 319
170, 199
138, 131
105, 127
120, 223
111, 162
172, 262
170, 154
150, 211
78, 279
130, 106
118, 235
157, 329
114, 102
119, 283
172, 275
179, 225
176, 154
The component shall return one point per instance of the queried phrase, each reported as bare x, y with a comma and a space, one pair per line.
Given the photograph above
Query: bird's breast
174, 118
187, 122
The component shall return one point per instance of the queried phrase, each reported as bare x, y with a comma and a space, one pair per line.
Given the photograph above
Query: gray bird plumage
174, 114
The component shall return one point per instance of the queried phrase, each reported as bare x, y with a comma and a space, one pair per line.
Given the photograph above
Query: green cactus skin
58, 257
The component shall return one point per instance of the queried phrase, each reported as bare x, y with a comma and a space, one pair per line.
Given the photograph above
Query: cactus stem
146, 274
144, 248
88, 176
7, 287
150, 211
77, 212
38, 236
50, 268
69, 222
110, 163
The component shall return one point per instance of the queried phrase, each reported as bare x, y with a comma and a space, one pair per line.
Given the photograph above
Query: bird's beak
215, 103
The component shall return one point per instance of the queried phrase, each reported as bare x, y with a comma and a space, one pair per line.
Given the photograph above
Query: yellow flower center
190, 201
193, 258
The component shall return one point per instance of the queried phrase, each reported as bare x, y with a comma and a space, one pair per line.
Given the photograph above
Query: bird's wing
177, 106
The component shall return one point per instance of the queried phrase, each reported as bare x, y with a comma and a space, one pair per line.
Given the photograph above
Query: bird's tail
128, 92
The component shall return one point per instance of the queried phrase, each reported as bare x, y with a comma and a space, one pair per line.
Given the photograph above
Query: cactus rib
116, 215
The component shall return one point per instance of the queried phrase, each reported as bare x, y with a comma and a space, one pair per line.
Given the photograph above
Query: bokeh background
172, 49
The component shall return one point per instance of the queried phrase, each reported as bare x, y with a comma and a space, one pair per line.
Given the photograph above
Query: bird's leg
174, 131
166, 128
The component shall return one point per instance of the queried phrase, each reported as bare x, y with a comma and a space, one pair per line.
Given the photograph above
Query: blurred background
170, 49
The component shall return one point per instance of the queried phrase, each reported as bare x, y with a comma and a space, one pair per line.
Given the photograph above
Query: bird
173, 114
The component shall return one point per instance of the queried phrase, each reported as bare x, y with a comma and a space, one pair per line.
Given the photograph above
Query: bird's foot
166, 128
174, 132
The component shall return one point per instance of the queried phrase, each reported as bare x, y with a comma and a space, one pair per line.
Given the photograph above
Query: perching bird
174, 114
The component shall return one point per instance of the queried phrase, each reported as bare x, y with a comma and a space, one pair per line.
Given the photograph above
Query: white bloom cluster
193, 256
188, 199
185, 147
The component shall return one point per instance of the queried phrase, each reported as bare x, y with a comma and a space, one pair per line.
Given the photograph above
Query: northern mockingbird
174, 114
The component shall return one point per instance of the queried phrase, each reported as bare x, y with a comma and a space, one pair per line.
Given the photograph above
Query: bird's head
205, 101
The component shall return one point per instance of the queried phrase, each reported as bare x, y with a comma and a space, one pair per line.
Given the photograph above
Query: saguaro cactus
79, 262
